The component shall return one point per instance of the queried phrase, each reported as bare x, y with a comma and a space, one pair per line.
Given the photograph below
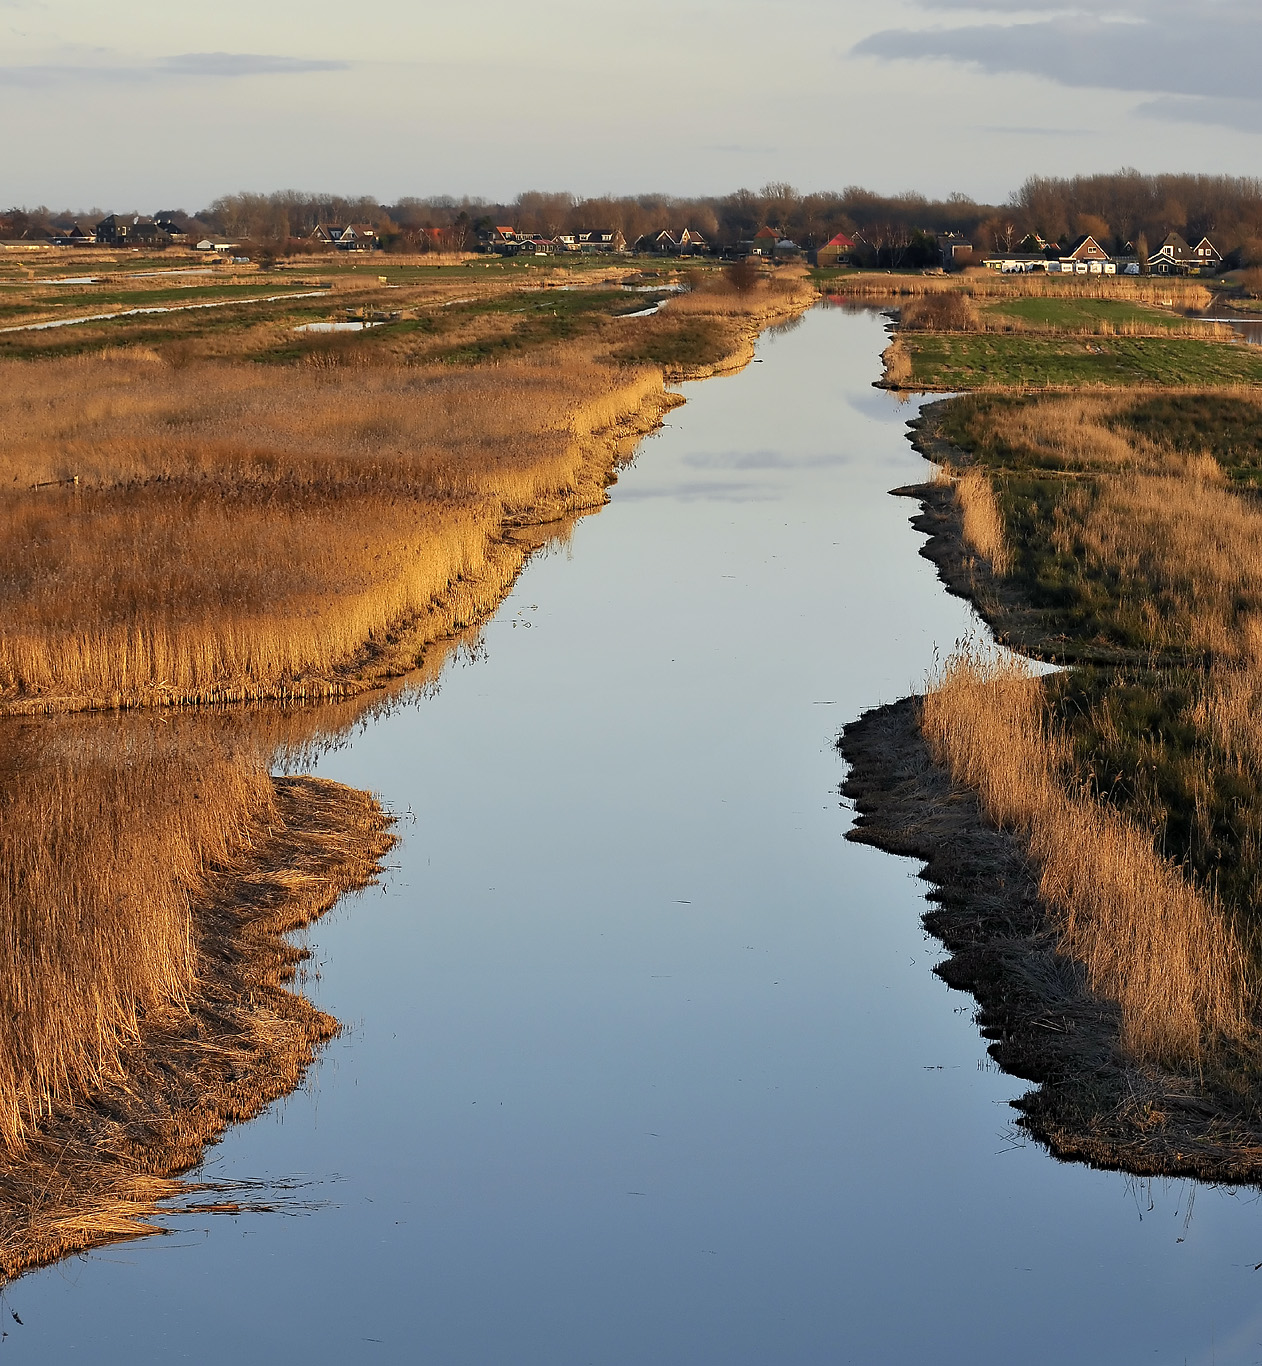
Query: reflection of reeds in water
149, 868
1148, 939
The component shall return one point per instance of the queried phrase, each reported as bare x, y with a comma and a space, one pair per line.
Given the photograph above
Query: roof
765, 233
841, 240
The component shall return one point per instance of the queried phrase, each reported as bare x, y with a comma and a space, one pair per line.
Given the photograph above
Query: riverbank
201, 531
1099, 1099
101, 1166
150, 1011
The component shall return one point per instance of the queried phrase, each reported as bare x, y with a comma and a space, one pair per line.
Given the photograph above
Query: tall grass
986, 284
1147, 938
983, 522
238, 532
106, 838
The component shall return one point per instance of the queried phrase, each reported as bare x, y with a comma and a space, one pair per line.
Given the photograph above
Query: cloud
199, 65
1244, 116
1133, 46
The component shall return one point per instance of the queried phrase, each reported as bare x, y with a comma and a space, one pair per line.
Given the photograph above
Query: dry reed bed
238, 532
986, 284
1148, 939
88, 1158
956, 311
148, 869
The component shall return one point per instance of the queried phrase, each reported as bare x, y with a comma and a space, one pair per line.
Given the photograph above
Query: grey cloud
220, 65
1141, 47
1243, 115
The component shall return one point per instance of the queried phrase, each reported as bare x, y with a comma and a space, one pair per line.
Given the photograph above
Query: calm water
644, 1063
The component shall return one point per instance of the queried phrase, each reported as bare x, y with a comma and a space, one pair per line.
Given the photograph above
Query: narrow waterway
644, 1063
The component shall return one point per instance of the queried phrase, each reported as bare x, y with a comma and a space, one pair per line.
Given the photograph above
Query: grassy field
1129, 522
222, 504
945, 361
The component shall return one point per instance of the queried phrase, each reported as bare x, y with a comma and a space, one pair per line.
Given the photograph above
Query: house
954, 249
1175, 257
76, 237
223, 248
1086, 248
832, 252
358, 237
603, 240
133, 231
1207, 254
353, 237
502, 239
764, 242
664, 241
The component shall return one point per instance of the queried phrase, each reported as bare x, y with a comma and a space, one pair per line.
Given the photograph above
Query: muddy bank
1092, 1103
98, 1168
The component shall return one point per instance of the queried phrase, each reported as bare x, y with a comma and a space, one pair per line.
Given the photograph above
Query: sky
144, 106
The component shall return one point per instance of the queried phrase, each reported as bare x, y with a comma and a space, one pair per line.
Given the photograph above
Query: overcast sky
146, 105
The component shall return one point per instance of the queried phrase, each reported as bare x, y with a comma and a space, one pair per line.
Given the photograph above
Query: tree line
1118, 209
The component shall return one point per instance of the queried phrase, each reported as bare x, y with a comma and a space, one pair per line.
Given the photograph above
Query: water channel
644, 1063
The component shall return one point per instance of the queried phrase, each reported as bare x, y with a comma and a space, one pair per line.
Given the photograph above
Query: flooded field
643, 1062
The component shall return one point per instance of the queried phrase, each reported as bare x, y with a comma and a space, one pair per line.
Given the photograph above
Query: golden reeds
983, 519
1148, 939
240, 532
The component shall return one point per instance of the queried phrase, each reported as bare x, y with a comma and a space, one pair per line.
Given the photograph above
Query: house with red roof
834, 250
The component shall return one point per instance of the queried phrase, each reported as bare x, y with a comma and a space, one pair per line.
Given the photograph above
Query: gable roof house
502, 238
602, 240
1086, 248
1175, 257
76, 237
663, 241
132, 231
1207, 254
353, 237
834, 249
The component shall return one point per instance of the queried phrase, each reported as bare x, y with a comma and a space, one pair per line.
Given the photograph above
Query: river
643, 1062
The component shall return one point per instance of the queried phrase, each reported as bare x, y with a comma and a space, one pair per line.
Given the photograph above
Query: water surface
645, 1063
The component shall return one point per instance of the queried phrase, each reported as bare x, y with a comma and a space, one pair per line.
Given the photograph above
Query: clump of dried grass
941, 311
1148, 939
896, 360
238, 532
983, 519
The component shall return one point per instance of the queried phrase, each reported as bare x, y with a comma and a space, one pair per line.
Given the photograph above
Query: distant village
881, 247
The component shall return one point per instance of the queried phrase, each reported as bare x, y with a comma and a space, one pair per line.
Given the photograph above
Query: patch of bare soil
99, 1171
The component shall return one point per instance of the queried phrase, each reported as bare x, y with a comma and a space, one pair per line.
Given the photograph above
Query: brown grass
1148, 939
237, 532
986, 284
983, 520
122, 1113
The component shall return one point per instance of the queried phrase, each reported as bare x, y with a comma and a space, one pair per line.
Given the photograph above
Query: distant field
1071, 315
965, 361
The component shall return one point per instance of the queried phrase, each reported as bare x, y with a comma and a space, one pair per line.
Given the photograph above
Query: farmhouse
1175, 257
831, 253
133, 231
353, 237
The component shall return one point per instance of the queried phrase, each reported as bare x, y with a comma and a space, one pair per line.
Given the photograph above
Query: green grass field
1070, 315
966, 361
